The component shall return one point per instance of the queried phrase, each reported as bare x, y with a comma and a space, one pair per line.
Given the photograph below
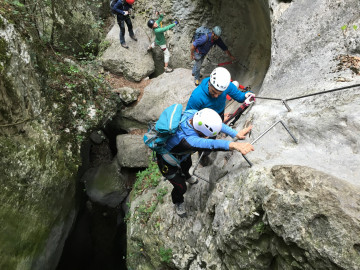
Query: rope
328, 91
269, 98
314, 94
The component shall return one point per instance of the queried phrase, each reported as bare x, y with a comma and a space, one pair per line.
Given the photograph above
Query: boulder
127, 95
135, 63
132, 152
105, 184
163, 91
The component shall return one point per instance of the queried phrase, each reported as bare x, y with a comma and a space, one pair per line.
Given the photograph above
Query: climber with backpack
203, 40
160, 38
177, 135
123, 9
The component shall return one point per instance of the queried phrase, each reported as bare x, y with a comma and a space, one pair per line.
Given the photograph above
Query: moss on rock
38, 187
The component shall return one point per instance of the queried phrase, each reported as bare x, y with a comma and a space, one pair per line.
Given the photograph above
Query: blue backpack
160, 131
202, 30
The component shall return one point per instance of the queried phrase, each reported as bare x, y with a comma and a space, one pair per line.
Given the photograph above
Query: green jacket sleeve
160, 19
163, 29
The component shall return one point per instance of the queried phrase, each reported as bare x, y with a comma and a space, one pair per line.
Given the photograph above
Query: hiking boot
133, 38
180, 209
192, 180
197, 82
168, 70
124, 45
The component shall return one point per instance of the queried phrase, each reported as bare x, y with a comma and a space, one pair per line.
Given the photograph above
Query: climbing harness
226, 63
253, 142
284, 101
240, 110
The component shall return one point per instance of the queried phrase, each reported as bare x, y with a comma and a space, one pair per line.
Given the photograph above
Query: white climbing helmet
208, 122
220, 78
217, 30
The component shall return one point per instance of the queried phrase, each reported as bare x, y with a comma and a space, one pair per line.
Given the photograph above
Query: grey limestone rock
127, 95
132, 152
134, 63
105, 184
163, 91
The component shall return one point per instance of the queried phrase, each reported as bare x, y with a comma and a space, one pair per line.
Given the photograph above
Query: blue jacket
203, 44
186, 139
120, 9
201, 99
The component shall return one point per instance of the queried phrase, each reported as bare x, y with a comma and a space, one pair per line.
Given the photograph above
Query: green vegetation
161, 193
4, 57
39, 165
165, 254
260, 227
144, 210
345, 27
43, 21
146, 179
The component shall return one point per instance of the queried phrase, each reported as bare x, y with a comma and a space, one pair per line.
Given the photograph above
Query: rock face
40, 136
134, 63
127, 94
289, 216
298, 206
105, 184
163, 91
246, 32
22, 101
132, 152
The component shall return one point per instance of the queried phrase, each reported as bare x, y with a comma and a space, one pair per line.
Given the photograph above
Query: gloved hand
250, 98
176, 22
126, 13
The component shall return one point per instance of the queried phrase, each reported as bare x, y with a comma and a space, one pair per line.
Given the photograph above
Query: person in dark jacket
123, 10
201, 46
193, 135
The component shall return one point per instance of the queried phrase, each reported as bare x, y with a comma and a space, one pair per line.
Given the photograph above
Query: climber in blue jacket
212, 91
195, 129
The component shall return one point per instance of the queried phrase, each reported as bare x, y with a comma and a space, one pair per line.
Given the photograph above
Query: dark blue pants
121, 23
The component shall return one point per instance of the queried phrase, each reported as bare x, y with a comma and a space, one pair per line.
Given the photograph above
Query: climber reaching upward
160, 38
195, 129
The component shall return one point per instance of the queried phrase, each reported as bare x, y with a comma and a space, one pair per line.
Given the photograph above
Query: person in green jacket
160, 38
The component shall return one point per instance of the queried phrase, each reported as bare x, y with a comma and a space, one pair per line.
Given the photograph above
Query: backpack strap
207, 39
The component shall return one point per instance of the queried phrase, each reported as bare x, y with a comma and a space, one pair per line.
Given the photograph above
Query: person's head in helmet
219, 81
207, 123
152, 24
130, 2
216, 32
